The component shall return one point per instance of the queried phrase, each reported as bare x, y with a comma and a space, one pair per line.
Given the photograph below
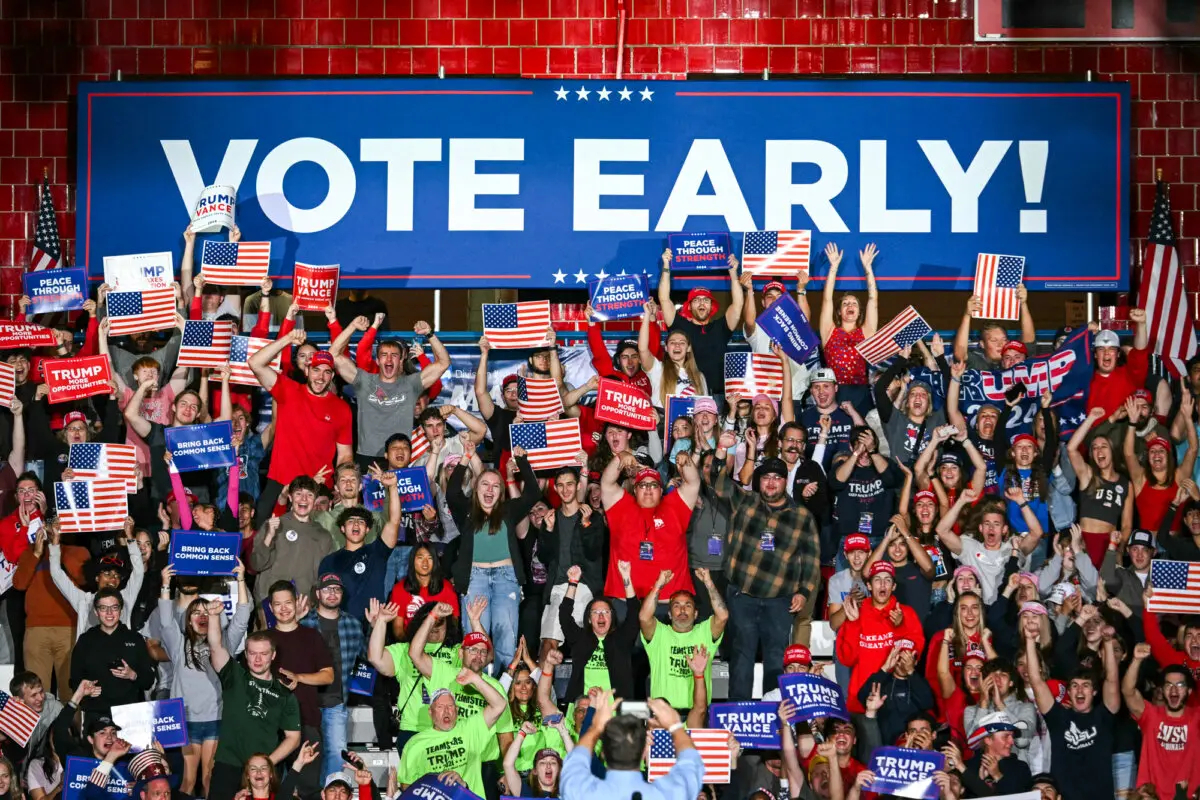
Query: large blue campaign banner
55, 289
204, 552
197, 447
537, 183
78, 770
753, 724
904, 772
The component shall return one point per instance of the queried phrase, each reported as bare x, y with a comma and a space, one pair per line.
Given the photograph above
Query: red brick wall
46, 46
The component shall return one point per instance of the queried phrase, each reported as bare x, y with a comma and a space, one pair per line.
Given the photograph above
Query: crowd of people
984, 567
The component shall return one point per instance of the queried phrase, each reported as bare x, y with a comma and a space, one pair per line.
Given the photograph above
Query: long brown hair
494, 519
670, 372
195, 644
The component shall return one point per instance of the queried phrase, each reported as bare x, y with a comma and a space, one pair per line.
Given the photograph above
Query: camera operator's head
623, 741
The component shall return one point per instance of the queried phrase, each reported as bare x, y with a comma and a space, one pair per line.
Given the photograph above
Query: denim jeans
754, 621
333, 739
500, 618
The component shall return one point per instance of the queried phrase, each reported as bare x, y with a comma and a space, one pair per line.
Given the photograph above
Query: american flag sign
420, 445
516, 325
205, 343
89, 506
751, 374
997, 279
136, 312
235, 263
711, 743
8, 385
1172, 331
240, 350
538, 399
548, 445
1176, 587
47, 247
905, 330
17, 720
90, 461
781, 253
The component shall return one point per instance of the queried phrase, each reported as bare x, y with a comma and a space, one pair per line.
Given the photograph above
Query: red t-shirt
410, 603
665, 529
1170, 750
14, 536
308, 430
849, 772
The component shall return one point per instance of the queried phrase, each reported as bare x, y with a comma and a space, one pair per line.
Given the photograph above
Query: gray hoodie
295, 554
198, 683
81, 601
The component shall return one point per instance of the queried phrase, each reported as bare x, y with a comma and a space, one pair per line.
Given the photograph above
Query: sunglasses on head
113, 561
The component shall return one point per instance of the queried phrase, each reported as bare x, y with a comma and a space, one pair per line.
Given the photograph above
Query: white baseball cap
1107, 339
824, 375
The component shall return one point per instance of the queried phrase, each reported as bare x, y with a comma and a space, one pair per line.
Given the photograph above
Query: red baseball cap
881, 567
856, 541
321, 358
1015, 345
797, 654
699, 291
925, 494
472, 639
1158, 441
775, 285
74, 416
1023, 437
647, 474
1143, 394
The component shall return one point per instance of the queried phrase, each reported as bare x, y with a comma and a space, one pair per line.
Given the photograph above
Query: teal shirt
490, 548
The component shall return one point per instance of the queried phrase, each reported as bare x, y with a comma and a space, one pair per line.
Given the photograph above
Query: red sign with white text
314, 287
77, 378
621, 404
25, 334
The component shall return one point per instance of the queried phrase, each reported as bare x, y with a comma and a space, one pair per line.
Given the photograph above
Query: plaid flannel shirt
352, 639
794, 563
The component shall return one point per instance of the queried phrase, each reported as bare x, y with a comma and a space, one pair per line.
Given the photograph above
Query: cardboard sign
362, 680
622, 404
25, 334
430, 788
753, 724
315, 287
204, 552
55, 290
77, 771
161, 721
197, 447
618, 296
137, 273
699, 251
214, 209
77, 378
813, 696
787, 326
904, 772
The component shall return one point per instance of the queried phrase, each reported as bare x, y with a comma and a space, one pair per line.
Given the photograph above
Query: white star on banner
646, 94
601, 275
560, 94
582, 93
621, 274
603, 93
560, 276
625, 93
581, 277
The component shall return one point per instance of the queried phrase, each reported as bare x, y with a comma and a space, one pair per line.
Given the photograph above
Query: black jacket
1015, 778
588, 548
95, 655
618, 647
905, 696
461, 552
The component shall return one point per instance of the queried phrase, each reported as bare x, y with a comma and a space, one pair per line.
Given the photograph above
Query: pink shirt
158, 407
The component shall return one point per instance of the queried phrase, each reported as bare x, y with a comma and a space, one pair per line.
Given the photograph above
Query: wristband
675, 727
802, 292
572, 583
696, 677
1023, 504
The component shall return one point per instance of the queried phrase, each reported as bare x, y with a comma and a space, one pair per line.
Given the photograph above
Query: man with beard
1170, 733
995, 769
1113, 383
805, 479
826, 417
670, 646
317, 420
291, 547
387, 399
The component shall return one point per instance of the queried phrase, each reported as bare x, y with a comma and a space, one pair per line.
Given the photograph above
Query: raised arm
954, 413
380, 615
610, 486
482, 395
346, 367
945, 527
826, 324
871, 321
432, 373
497, 704
1186, 403
749, 307
1028, 329
1129, 684
1028, 543
1042, 695
218, 655
644, 351
664, 295
1112, 675
260, 362
720, 615
737, 296
1083, 470
1132, 465
133, 409
646, 620
416, 648
962, 337
689, 489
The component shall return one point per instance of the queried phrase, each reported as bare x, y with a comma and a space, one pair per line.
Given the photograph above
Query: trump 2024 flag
538, 399
91, 460
17, 720
516, 325
1176, 587
205, 343
88, 506
779, 253
751, 374
235, 263
905, 330
240, 351
548, 445
711, 743
997, 281
137, 312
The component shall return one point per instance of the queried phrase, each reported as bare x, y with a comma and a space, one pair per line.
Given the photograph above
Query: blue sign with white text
197, 447
204, 552
412, 483
787, 326
813, 695
78, 770
699, 251
594, 177
161, 721
618, 296
753, 724
55, 290
431, 788
362, 680
904, 772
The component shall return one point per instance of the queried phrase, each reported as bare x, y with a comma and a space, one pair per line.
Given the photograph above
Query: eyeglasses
109, 609
1176, 684
601, 612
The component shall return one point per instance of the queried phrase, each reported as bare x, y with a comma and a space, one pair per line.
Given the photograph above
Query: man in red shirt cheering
317, 422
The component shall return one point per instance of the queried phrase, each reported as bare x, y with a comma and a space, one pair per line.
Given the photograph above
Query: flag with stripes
235, 263
538, 399
781, 253
1162, 295
751, 374
91, 461
997, 281
8, 385
905, 330
136, 312
240, 350
17, 720
89, 506
1176, 587
548, 445
47, 246
420, 445
516, 325
205, 343
711, 743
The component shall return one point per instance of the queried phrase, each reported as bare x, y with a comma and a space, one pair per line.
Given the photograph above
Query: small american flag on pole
548, 445
205, 344
997, 279
419, 444
90, 461
8, 385
905, 330
17, 720
1176, 587
135, 312
782, 253
538, 399
1172, 331
89, 506
711, 743
47, 247
516, 325
751, 374
235, 263
240, 350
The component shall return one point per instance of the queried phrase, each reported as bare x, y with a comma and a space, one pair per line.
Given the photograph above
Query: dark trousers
383, 709
226, 781
15, 606
529, 616
756, 622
